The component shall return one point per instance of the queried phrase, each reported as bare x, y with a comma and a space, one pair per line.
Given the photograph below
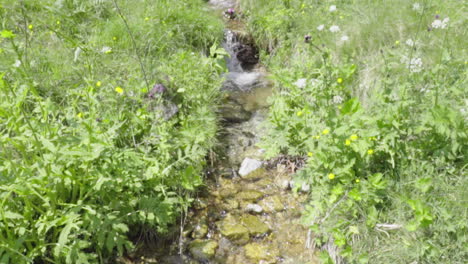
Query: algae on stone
233, 230
249, 195
254, 225
203, 249
261, 253
272, 204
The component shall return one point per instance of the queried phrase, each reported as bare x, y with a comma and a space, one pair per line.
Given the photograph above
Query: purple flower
437, 16
157, 89
230, 11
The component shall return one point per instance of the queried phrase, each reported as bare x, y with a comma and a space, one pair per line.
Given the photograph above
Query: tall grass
382, 121
87, 160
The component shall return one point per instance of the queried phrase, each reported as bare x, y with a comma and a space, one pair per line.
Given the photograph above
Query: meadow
373, 94
90, 161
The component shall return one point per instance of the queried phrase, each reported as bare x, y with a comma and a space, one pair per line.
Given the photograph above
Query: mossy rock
261, 253
231, 228
203, 249
272, 204
249, 195
254, 225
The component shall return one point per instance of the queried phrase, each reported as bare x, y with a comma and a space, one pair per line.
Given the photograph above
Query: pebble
254, 208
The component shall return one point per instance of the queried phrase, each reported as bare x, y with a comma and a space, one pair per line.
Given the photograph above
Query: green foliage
86, 159
386, 139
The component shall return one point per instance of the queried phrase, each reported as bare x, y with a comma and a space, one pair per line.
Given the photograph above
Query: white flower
440, 23
17, 64
334, 29
416, 6
301, 83
344, 38
106, 49
337, 99
321, 27
415, 65
77, 54
410, 42
332, 8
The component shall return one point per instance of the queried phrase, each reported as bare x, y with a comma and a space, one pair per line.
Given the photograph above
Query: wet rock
203, 249
261, 253
247, 55
253, 208
200, 230
230, 205
233, 230
249, 166
249, 195
234, 112
254, 225
226, 192
272, 204
200, 204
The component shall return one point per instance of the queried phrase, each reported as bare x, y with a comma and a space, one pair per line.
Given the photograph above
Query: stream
247, 213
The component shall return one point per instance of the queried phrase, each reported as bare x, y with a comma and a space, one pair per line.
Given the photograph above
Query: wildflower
348, 142
17, 64
79, 115
415, 65
437, 16
339, 80
147, 18
416, 6
337, 99
357, 180
317, 137
230, 13
397, 42
331, 176
58, 22
98, 84
325, 131
321, 27
310, 154
344, 38
440, 23
119, 90
341, 17
30, 27
114, 38
299, 113
106, 50
353, 137
301, 83
334, 29
410, 42
370, 151
7, 34
332, 8
307, 38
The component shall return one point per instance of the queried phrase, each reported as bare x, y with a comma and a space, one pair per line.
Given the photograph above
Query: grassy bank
373, 95
87, 159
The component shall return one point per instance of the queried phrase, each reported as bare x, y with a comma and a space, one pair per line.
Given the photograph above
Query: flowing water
249, 214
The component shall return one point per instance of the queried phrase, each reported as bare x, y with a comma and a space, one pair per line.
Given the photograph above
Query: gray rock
248, 166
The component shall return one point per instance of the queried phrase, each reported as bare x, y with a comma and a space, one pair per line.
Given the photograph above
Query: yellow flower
114, 38
119, 90
331, 176
348, 142
357, 180
310, 154
370, 151
98, 84
325, 131
79, 115
30, 26
146, 18
339, 80
353, 137
341, 17
397, 42
299, 113
317, 137
58, 22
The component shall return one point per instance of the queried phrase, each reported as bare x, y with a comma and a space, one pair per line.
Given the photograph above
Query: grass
385, 140
87, 159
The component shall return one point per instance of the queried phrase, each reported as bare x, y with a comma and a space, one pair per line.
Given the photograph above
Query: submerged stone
272, 204
233, 230
200, 230
230, 205
254, 225
261, 253
249, 195
203, 249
